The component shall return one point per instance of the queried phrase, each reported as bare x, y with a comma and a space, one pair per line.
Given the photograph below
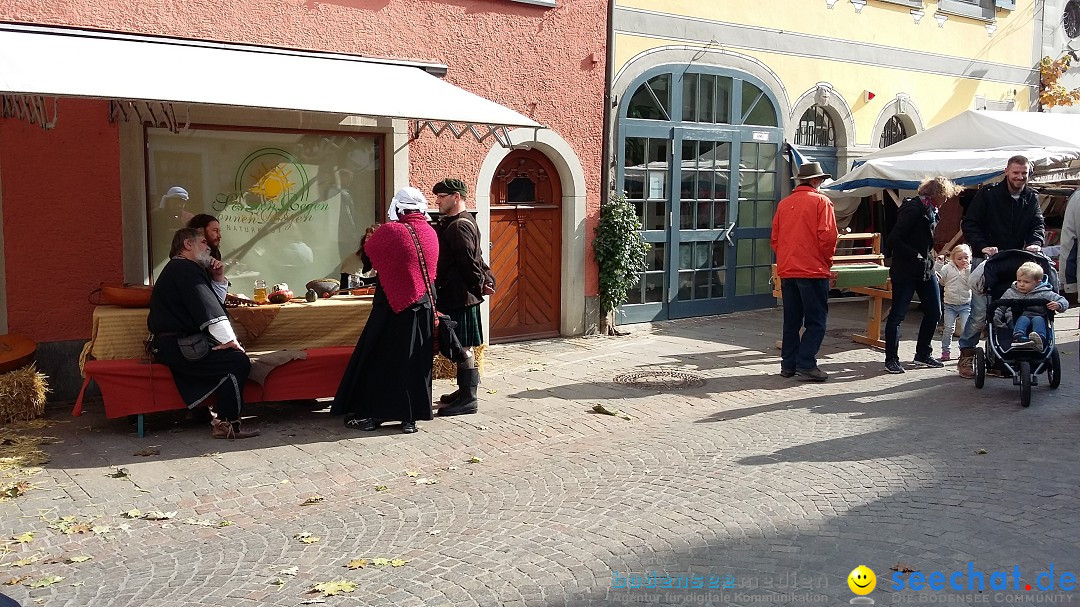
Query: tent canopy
971, 148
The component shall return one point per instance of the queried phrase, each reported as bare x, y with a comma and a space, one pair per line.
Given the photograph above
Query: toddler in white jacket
955, 277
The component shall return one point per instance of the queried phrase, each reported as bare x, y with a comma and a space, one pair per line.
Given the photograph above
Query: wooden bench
138, 387
869, 254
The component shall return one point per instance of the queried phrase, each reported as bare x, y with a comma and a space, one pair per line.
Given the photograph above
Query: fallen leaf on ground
119, 473
14, 490
27, 561
398, 563
451, 467
475, 460
381, 487
314, 499
609, 410
224, 523
434, 532
290, 571
357, 564
980, 452
307, 538
492, 391
79, 558
99, 529
147, 452
335, 587
133, 513
157, 515
278, 582
903, 568
412, 473
426, 481
380, 561
16, 580
48, 580
23, 538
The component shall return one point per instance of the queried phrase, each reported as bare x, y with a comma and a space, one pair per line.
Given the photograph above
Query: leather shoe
408, 427
787, 372
366, 424
814, 374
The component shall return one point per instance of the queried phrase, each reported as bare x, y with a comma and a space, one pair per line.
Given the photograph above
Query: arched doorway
526, 242
698, 157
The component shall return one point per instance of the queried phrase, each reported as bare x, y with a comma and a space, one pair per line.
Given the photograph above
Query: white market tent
971, 148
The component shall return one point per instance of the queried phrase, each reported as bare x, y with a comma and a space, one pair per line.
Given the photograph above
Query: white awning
41, 61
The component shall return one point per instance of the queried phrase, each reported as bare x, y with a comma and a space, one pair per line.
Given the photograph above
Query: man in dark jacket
1002, 216
911, 241
462, 281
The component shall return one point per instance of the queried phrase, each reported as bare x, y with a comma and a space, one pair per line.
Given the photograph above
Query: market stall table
120, 333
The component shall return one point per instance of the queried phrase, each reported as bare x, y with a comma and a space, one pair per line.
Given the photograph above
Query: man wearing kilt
462, 280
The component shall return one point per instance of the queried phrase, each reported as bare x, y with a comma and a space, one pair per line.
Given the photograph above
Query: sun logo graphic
272, 176
862, 581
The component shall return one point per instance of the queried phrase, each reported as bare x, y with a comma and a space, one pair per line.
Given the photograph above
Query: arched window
652, 100
893, 132
816, 128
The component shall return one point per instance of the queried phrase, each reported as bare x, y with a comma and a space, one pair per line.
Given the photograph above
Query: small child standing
1029, 330
955, 280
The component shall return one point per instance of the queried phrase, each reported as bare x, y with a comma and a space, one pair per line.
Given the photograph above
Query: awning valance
46, 61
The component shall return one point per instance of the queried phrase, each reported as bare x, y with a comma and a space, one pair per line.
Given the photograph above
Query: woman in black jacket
912, 270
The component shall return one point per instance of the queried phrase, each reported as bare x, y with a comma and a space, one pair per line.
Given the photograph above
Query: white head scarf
407, 199
174, 192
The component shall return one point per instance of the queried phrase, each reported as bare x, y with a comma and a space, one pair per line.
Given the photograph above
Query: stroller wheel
1025, 383
980, 367
1054, 372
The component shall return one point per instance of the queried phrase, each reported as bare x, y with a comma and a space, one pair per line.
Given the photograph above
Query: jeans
1028, 324
977, 319
806, 303
953, 313
903, 290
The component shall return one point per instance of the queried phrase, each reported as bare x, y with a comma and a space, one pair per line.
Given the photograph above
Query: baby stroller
1023, 365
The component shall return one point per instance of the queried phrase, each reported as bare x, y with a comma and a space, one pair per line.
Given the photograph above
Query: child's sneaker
945, 356
1036, 340
1019, 341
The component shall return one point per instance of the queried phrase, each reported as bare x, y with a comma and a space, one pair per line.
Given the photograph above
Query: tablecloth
119, 333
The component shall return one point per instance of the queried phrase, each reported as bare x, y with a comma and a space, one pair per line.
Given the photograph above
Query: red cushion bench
137, 387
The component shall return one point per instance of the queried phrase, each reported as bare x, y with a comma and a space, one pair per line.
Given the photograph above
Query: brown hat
450, 186
811, 170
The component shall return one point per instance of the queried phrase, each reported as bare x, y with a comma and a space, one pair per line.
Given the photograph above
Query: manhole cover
661, 379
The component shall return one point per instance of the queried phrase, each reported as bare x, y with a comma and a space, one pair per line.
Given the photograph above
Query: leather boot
220, 428
446, 399
468, 379
965, 365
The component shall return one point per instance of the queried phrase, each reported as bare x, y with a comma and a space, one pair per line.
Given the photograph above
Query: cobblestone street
732, 470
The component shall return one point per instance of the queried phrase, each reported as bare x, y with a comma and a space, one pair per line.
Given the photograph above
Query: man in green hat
462, 281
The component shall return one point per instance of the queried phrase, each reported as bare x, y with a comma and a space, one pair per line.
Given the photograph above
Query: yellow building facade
710, 97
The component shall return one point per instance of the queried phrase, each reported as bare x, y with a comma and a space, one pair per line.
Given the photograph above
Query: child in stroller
1028, 321
1022, 312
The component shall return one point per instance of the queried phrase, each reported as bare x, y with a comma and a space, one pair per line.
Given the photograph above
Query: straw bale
22, 394
442, 368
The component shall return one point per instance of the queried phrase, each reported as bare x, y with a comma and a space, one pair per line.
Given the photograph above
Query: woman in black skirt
389, 375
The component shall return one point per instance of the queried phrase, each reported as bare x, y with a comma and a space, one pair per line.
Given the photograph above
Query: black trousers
220, 373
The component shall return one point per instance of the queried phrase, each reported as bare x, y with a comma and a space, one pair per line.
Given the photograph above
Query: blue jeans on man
903, 291
806, 304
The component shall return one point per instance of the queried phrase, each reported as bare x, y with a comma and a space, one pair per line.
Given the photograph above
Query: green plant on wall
620, 254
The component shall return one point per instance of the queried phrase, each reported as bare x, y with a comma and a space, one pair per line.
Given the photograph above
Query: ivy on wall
1051, 93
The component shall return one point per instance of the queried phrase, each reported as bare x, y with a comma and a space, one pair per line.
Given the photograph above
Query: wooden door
526, 241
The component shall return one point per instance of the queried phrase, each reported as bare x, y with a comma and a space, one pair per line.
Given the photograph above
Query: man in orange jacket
804, 239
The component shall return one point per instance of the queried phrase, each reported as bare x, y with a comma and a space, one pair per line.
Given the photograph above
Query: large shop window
292, 206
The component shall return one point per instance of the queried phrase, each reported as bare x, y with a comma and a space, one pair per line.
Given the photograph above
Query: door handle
726, 234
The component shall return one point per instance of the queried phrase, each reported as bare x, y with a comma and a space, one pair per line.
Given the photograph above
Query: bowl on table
324, 287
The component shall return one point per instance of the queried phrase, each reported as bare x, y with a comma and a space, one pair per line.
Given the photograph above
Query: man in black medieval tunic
183, 303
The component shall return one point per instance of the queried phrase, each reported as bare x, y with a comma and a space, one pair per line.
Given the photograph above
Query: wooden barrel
16, 351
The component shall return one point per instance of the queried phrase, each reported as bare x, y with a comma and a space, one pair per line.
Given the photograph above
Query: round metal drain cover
660, 379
